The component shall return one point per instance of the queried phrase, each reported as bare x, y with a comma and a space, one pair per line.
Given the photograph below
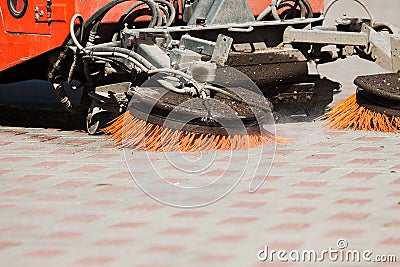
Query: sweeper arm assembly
272, 53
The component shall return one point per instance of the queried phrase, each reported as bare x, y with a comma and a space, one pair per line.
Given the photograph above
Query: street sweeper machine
199, 74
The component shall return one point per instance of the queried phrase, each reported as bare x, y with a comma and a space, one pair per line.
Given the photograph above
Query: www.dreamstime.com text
339, 254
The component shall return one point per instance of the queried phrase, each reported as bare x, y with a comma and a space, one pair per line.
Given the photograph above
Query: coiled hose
305, 8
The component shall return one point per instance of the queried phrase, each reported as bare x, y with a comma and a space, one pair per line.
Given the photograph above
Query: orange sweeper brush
375, 106
144, 135
161, 119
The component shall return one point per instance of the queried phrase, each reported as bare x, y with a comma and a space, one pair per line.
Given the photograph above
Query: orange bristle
349, 114
130, 132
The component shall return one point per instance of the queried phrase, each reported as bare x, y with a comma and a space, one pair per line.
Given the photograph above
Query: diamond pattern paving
80, 207
69, 199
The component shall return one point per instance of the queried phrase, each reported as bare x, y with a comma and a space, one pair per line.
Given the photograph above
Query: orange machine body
44, 24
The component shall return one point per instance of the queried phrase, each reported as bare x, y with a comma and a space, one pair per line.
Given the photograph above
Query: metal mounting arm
383, 48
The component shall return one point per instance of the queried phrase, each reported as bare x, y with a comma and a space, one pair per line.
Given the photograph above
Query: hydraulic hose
71, 73
383, 25
121, 55
264, 13
90, 24
169, 15
123, 51
64, 99
179, 73
185, 90
172, 11
277, 4
72, 30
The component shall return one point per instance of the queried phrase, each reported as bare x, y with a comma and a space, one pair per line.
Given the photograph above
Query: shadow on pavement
34, 116
34, 104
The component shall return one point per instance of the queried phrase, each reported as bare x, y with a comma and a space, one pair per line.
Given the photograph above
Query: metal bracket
182, 58
222, 49
219, 12
218, 50
155, 55
49, 12
292, 97
395, 44
348, 50
379, 47
198, 45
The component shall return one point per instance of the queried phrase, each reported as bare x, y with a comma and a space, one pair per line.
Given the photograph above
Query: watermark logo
340, 253
195, 179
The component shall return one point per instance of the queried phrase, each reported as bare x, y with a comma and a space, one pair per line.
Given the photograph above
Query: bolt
36, 16
130, 41
41, 13
36, 9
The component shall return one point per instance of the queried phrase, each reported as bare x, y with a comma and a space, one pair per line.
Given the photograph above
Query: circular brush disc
221, 113
380, 93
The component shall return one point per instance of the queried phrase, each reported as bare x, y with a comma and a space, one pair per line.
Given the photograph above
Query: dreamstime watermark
341, 253
195, 179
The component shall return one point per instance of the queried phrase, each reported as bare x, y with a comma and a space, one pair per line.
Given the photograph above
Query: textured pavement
68, 199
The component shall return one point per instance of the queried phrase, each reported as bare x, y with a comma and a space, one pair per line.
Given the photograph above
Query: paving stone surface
69, 199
